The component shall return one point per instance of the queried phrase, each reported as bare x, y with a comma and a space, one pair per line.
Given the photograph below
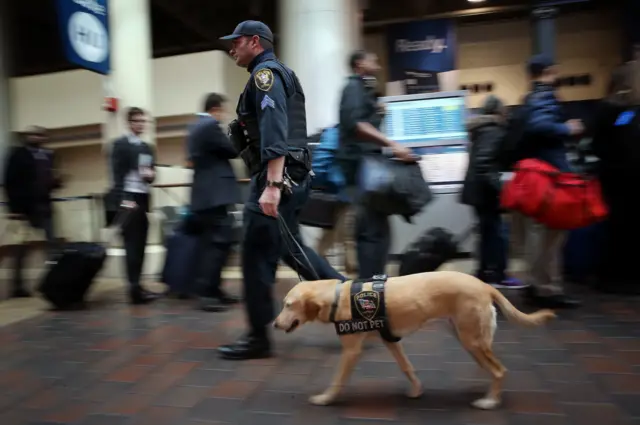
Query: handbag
393, 187
321, 210
556, 199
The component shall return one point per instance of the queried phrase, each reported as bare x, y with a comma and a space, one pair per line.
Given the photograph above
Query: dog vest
368, 311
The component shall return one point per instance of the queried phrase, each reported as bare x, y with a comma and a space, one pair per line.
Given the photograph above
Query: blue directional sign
84, 29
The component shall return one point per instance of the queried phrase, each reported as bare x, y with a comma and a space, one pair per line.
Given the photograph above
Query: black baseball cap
249, 29
539, 63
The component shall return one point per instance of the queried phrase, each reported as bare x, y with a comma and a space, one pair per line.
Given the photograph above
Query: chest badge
264, 79
367, 303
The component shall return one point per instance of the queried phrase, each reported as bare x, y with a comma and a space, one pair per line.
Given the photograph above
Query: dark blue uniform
271, 112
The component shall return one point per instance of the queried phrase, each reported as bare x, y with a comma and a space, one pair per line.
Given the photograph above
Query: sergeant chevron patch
267, 102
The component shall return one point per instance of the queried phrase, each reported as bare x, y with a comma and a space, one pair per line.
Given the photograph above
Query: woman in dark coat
616, 142
482, 191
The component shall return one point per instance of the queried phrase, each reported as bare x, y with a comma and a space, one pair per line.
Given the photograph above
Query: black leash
288, 238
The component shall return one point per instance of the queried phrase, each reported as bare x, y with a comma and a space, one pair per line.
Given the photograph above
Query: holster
298, 163
251, 157
240, 136
237, 136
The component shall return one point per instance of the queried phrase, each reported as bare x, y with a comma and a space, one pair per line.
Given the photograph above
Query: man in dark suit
29, 181
132, 165
214, 191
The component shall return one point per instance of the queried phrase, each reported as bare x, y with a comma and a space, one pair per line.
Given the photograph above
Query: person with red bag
544, 132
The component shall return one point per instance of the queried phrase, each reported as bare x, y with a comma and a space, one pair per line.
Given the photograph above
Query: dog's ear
315, 305
311, 309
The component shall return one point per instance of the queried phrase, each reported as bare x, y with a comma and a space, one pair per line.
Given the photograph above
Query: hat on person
249, 29
492, 105
539, 63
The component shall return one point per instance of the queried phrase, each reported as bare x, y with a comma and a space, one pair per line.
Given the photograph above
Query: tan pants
540, 248
342, 233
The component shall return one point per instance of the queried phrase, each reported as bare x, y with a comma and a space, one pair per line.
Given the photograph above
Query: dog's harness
368, 311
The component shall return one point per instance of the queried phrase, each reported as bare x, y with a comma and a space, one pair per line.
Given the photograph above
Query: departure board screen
427, 122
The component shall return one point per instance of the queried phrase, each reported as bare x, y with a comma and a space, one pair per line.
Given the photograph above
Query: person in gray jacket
132, 165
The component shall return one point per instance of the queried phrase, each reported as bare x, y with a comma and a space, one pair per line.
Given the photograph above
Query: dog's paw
321, 399
415, 392
486, 403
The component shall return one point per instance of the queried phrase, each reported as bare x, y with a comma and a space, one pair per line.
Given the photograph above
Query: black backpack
513, 144
431, 250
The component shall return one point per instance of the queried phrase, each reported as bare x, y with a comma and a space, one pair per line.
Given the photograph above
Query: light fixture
475, 1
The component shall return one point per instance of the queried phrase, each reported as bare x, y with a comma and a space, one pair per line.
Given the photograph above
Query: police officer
271, 135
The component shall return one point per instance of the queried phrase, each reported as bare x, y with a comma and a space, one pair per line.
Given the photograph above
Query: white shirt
133, 181
38, 153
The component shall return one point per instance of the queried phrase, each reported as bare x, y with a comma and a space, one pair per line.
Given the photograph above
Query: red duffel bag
558, 200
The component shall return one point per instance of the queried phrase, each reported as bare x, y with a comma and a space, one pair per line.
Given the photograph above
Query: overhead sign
84, 29
425, 47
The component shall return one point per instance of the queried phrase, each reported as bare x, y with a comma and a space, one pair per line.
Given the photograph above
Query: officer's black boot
211, 305
256, 345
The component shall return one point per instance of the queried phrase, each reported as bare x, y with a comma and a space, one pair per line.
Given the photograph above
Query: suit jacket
123, 158
28, 182
209, 151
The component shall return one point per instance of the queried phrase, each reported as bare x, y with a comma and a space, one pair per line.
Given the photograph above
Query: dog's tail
534, 319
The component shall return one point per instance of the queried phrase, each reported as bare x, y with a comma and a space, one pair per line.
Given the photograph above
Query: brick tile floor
118, 365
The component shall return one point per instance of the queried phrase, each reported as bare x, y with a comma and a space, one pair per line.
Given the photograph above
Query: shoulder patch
264, 79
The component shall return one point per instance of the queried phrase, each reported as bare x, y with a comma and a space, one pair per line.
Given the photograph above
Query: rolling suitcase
179, 269
180, 264
71, 273
431, 250
73, 268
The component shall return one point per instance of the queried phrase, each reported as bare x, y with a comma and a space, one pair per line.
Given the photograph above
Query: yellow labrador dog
411, 301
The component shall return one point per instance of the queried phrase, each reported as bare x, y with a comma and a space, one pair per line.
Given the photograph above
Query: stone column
316, 40
131, 79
